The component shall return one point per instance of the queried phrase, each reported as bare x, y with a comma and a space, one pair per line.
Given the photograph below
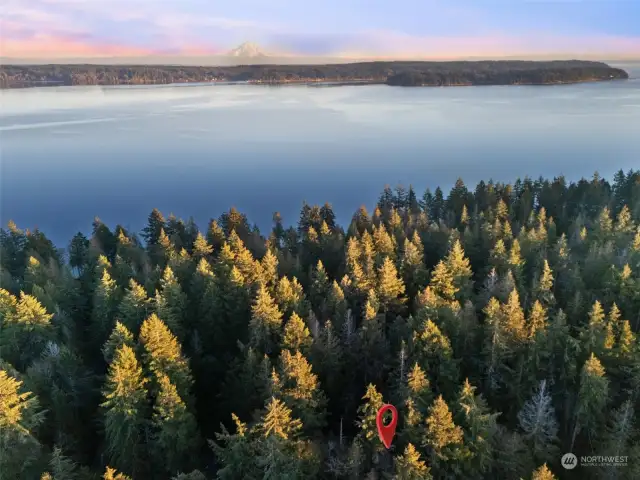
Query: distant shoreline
437, 74
309, 83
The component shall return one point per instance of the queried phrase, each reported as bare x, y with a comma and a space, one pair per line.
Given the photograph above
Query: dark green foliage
125, 400
393, 73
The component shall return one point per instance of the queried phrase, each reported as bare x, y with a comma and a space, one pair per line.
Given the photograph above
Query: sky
54, 29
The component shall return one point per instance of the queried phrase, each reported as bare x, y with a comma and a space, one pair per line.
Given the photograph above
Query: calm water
69, 154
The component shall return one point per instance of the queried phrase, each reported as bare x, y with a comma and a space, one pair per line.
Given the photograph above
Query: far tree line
505, 72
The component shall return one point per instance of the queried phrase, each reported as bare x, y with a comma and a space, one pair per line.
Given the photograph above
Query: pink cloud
51, 46
20, 41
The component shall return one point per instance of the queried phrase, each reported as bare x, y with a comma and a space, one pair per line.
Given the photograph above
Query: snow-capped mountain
247, 50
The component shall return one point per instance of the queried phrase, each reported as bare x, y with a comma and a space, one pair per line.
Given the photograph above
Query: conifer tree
460, 269
481, 428
113, 474
215, 235
442, 282
498, 257
543, 288
243, 259
201, 248
279, 451
66, 390
175, 435
134, 306
512, 456
611, 328
203, 289
25, 328
266, 322
61, 467
171, 303
463, 329
105, 302
327, 358
182, 265
604, 224
594, 333
20, 416
391, 289
300, 390
367, 262
367, 412
163, 355
627, 344
444, 439
464, 215
269, 270
537, 321
231, 306
372, 349
290, 296
560, 361
635, 245
78, 252
543, 473
125, 398
418, 387
155, 223
8, 304
417, 400
236, 453
384, 244
296, 335
409, 466
164, 252
336, 304
247, 382
35, 274
414, 272
432, 350
515, 260
504, 339
592, 398
514, 318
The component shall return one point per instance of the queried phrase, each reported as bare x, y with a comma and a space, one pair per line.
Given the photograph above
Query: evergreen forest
488, 72
501, 320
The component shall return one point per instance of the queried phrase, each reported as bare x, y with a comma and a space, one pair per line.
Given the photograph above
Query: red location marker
387, 432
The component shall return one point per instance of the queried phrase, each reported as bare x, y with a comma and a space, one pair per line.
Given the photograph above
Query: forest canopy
502, 72
501, 320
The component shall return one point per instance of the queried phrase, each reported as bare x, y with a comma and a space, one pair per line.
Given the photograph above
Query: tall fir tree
20, 416
266, 322
163, 355
175, 433
125, 409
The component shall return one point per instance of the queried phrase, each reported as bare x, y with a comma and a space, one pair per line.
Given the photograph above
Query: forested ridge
500, 320
502, 72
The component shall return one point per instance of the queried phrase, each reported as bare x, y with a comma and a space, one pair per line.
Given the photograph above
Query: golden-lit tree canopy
501, 321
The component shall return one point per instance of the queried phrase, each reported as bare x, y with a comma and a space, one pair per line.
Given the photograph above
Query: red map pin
387, 432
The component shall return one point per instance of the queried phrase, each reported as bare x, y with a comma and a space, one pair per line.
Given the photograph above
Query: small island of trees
502, 321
